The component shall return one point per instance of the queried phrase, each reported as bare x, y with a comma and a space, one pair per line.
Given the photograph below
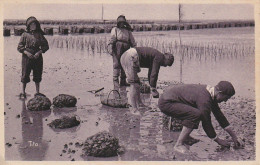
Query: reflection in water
66, 111
33, 147
127, 129
67, 130
152, 134
63, 111
142, 136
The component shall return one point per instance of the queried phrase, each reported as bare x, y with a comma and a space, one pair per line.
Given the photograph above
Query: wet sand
144, 137
28, 137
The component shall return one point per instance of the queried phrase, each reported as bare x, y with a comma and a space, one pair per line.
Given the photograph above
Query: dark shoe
190, 141
155, 93
115, 79
124, 83
22, 95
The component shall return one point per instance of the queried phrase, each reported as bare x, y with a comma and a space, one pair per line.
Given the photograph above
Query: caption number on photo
33, 144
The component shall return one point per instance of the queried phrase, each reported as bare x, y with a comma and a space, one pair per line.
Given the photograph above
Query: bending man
143, 57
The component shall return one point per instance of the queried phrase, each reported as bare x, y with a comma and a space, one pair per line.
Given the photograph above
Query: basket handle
112, 91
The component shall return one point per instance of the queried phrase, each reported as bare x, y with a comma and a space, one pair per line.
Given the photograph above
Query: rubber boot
155, 93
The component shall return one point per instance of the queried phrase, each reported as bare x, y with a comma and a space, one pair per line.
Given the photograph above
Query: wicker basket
117, 102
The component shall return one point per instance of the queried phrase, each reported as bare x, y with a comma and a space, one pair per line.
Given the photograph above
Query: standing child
32, 44
121, 40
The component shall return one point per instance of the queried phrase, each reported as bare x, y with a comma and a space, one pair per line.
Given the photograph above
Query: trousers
120, 48
189, 115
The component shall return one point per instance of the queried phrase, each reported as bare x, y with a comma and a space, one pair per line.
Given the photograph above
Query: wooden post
6, 32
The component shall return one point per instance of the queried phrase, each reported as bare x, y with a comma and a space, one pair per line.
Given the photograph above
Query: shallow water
77, 71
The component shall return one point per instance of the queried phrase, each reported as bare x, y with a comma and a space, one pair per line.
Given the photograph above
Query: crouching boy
192, 103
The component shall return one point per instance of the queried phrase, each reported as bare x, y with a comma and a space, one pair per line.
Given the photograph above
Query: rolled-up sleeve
21, 44
44, 45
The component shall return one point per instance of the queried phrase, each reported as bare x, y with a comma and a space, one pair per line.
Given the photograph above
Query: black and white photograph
129, 81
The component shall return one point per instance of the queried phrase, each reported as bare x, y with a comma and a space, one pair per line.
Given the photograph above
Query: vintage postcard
155, 81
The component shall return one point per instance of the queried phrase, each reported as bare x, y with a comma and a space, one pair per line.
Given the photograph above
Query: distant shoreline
17, 27
96, 21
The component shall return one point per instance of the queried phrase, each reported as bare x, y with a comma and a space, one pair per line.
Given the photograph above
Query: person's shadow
33, 147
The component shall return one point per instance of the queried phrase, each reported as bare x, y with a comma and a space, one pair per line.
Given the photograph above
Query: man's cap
226, 88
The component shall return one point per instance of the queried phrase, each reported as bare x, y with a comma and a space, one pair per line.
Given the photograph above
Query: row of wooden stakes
65, 30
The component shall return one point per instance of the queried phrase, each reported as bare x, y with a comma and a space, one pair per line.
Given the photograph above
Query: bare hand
37, 55
29, 55
239, 144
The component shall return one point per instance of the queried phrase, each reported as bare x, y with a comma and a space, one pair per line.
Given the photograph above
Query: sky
131, 11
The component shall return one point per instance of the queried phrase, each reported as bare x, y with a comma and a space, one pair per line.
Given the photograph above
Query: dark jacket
152, 59
32, 42
198, 97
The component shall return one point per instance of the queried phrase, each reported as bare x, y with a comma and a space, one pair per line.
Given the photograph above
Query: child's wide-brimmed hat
226, 88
